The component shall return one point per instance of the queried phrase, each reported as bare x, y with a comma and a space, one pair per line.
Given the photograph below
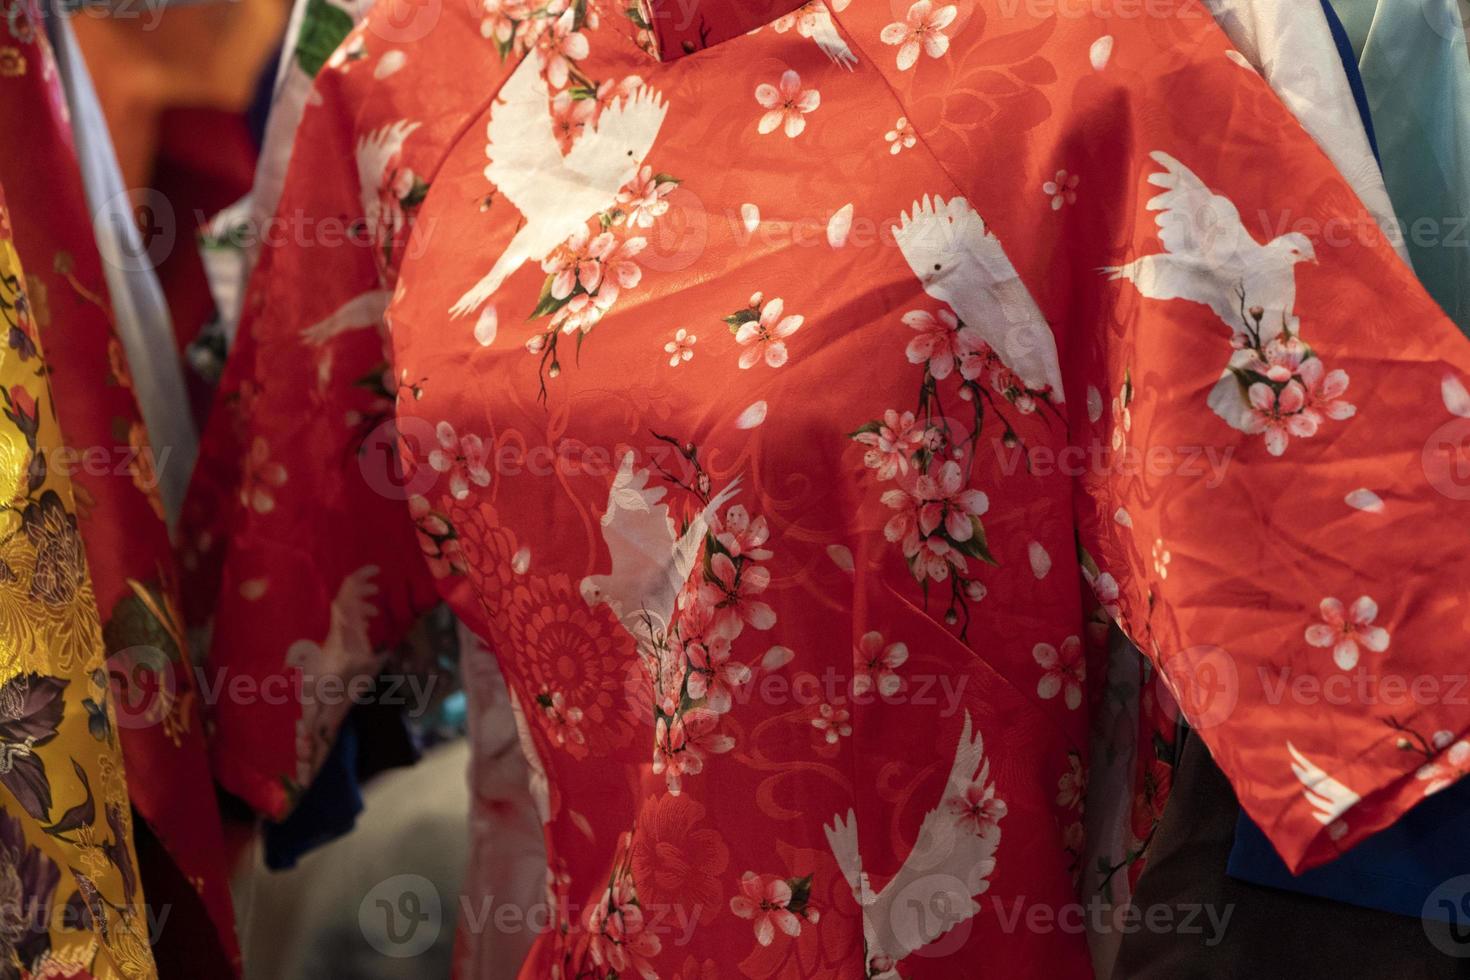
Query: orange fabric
206, 55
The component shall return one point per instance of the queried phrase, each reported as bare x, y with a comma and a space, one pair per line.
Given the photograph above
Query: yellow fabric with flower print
70, 902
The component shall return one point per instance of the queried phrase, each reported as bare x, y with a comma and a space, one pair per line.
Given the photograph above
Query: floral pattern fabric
790, 398
116, 475
72, 903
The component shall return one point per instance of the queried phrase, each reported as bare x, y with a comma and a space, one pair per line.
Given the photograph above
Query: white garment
509, 803
232, 239
1290, 44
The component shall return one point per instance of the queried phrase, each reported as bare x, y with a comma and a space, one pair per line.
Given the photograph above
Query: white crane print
960, 262
555, 194
814, 20
651, 560
950, 863
347, 652
379, 156
1329, 798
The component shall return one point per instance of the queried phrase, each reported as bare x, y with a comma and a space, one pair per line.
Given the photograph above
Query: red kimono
111, 464
787, 396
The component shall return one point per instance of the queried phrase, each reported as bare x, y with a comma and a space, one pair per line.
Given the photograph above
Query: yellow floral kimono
70, 902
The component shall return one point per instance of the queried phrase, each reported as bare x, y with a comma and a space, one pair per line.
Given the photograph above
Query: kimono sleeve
1268, 414
304, 553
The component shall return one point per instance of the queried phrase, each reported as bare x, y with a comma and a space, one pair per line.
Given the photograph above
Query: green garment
1416, 68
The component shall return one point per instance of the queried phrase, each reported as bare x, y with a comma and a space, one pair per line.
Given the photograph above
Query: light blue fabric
1416, 69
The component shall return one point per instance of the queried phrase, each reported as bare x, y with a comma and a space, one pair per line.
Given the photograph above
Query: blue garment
327, 810
1354, 75
1393, 871
374, 737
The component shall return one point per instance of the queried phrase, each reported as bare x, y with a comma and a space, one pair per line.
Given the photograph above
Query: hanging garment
314, 37
1400, 869
1295, 48
1416, 68
749, 391
139, 309
73, 906
115, 471
229, 249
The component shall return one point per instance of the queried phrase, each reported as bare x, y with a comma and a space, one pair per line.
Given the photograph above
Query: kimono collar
681, 27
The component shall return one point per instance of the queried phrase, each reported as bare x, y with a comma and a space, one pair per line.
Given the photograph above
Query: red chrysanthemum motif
566, 648
487, 549
677, 864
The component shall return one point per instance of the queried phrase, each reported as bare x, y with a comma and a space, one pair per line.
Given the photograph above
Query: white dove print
346, 653
376, 152
960, 262
1273, 385
1210, 258
651, 561
1329, 798
361, 312
950, 863
556, 194
814, 20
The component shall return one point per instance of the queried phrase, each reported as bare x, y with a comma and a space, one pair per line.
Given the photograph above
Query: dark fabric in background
1271, 934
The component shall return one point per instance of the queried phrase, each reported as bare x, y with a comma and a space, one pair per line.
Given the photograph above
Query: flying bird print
557, 194
1329, 798
950, 863
651, 560
347, 652
814, 20
960, 262
361, 312
1209, 257
377, 152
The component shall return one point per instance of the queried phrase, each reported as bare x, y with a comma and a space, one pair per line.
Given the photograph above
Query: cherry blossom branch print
687, 612
927, 455
1274, 385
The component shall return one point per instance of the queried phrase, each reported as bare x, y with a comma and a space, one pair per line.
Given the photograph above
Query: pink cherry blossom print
1062, 189
1065, 670
787, 104
764, 339
921, 29
462, 457
1347, 629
